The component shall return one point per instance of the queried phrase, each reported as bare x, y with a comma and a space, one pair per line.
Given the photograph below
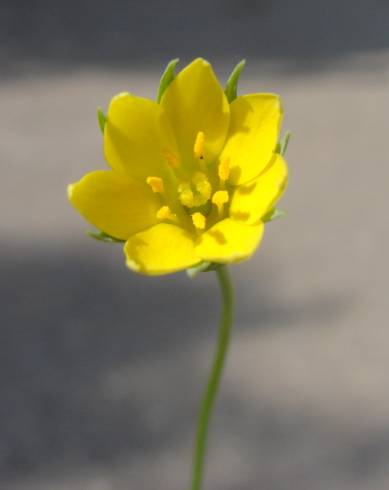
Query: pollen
198, 148
171, 159
219, 199
224, 170
165, 213
198, 221
156, 184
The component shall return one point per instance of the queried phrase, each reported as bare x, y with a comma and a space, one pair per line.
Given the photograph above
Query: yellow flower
191, 178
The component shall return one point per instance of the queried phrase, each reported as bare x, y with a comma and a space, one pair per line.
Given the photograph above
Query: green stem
211, 390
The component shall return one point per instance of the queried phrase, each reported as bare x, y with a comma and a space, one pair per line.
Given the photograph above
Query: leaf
101, 118
273, 214
231, 89
101, 236
167, 77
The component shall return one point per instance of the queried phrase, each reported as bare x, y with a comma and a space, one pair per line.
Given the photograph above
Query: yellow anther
165, 213
172, 160
198, 221
224, 170
156, 184
219, 199
198, 148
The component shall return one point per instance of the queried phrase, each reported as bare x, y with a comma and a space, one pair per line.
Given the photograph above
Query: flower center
195, 194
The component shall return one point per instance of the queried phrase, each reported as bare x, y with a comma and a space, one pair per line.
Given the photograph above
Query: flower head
191, 178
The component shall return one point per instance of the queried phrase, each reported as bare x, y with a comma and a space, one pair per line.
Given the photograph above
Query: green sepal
101, 118
202, 267
282, 145
101, 236
273, 214
231, 89
167, 77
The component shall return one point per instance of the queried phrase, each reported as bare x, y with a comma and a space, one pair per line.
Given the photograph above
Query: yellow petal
195, 104
137, 137
252, 201
229, 241
114, 203
253, 134
162, 249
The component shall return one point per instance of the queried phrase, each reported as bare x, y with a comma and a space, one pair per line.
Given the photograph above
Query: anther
219, 199
171, 159
224, 170
165, 213
156, 184
198, 148
198, 221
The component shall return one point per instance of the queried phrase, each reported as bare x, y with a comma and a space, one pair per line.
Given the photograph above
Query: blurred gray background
101, 370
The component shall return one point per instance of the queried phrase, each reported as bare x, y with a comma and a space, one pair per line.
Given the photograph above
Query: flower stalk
212, 387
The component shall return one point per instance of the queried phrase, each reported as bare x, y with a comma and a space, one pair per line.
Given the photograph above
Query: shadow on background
70, 324
301, 34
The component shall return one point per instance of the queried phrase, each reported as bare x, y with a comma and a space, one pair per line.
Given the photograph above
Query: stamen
198, 221
198, 148
165, 213
219, 199
172, 160
224, 170
156, 184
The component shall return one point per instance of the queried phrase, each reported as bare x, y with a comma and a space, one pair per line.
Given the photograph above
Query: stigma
196, 192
